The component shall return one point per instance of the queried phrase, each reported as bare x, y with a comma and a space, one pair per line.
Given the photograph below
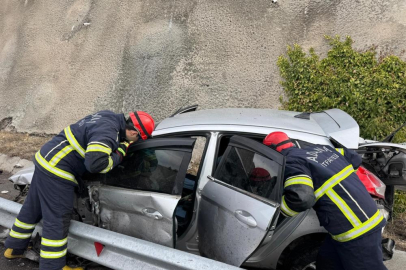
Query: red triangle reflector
99, 248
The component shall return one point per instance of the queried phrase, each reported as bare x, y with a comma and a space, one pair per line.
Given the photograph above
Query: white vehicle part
23, 177
340, 126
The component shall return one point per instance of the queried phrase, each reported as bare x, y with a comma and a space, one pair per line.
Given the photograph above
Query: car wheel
303, 258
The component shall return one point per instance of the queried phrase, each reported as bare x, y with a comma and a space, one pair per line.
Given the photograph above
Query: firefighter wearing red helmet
324, 178
96, 143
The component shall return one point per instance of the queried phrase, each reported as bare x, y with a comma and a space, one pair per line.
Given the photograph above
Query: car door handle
245, 218
152, 213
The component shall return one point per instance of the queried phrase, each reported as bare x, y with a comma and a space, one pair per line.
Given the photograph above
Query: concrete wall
61, 60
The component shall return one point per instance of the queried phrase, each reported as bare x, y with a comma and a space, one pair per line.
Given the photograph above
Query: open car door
139, 196
240, 204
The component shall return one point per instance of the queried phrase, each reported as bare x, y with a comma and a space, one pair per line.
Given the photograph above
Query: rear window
249, 171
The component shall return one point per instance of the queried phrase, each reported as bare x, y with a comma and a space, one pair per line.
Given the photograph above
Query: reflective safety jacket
89, 144
324, 178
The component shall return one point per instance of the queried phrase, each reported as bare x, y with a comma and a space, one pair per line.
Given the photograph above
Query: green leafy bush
371, 89
400, 203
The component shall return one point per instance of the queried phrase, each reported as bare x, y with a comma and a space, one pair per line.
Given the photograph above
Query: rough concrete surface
13, 164
61, 60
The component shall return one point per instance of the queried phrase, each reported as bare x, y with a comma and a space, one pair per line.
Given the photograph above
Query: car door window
249, 171
150, 169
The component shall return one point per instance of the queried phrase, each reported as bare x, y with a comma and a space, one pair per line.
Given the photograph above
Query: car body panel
231, 224
248, 130
270, 251
242, 117
134, 213
400, 147
232, 221
340, 126
131, 211
334, 123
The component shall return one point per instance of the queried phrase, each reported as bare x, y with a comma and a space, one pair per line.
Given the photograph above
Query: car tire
303, 258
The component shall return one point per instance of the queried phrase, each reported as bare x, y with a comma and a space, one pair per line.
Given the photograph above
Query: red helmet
143, 122
278, 140
259, 175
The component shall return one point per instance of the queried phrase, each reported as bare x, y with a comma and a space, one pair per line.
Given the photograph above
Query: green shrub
371, 89
400, 203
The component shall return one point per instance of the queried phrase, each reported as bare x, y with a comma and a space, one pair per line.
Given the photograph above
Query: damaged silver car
195, 187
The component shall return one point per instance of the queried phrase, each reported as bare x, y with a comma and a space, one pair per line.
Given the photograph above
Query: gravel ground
16, 264
7, 186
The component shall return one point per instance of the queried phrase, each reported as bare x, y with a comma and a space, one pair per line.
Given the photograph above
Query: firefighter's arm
351, 156
101, 155
298, 194
101, 162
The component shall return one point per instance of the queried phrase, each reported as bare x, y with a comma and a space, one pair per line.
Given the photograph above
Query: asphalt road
398, 261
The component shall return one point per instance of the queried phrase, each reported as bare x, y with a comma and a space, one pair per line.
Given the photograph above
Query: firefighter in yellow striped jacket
96, 143
324, 178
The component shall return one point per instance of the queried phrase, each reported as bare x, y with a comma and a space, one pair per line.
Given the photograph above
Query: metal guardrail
121, 252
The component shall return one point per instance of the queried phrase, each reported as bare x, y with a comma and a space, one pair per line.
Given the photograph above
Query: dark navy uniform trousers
363, 253
51, 199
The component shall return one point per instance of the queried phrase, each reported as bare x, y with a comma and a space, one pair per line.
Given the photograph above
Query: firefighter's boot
14, 253
72, 268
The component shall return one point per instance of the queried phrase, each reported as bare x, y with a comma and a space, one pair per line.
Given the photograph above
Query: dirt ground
21, 145
7, 190
396, 229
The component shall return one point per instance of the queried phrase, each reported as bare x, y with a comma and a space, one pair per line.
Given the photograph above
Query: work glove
122, 149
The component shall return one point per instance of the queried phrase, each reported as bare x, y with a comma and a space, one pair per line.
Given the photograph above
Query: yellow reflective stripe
303, 180
96, 142
72, 140
53, 243
109, 166
98, 148
53, 255
58, 172
60, 155
285, 208
345, 209
23, 225
334, 180
360, 230
121, 150
19, 235
340, 150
